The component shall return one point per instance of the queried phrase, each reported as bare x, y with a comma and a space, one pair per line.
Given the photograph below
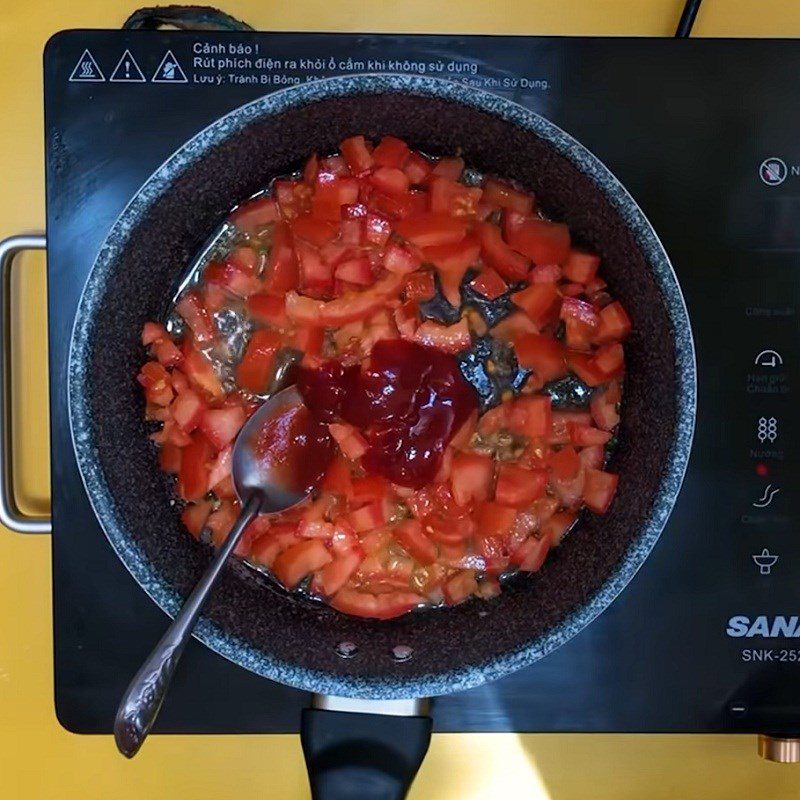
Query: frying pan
311, 646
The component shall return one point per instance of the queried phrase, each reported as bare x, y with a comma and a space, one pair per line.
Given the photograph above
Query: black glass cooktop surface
704, 136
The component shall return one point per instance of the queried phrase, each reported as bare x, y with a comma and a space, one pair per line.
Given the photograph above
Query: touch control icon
767, 429
769, 358
767, 497
765, 561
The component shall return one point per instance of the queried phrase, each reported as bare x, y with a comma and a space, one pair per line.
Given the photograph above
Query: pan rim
388, 686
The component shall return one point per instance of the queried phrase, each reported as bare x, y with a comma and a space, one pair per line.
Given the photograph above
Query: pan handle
353, 753
10, 514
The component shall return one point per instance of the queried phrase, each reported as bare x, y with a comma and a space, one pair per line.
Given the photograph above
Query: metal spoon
263, 485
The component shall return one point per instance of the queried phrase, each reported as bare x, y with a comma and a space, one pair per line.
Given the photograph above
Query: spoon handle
142, 700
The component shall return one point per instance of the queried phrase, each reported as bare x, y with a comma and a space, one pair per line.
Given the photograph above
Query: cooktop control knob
776, 748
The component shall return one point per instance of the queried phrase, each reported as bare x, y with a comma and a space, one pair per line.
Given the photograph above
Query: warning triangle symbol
87, 70
127, 70
169, 70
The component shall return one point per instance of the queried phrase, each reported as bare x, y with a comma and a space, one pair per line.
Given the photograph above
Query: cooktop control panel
703, 134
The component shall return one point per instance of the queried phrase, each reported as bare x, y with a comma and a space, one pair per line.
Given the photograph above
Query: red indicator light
762, 470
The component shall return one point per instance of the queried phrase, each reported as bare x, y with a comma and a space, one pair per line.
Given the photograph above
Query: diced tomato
615, 324
220, 470
220, 425
559, 433
390, 181
369, 517
586, 435
471, 477
167, 352
565, 463
412, 537
592, 457
460, 587
494, 519
531, 554
400, 260
448, 338
311, 169
369, 488
464, 433
356, 154
420, 286
337, 478
583, 365
334, 575
542, 241
153, 332
545, 273
308, 339
540, 301
329, 198
220, 523
277, 538
156, 382
498, 255
254, 372
417, 167
375, 606
377, 229
532, 416
599, 489
314, 231
541, 353
514, 325
501, 194
169, 458
452, 261
314, 272
230, 277
581, 266
391, 152
194, 517
489, 284
581, 322
194, 471
255, 215
450, 197
519, 487
294, 198
187, 410
604, 410
573, 289
432, 230
355, 270
348, 308
191, 308
269, 309
449, 168
293, 564
350, 441
282, 274
556, 527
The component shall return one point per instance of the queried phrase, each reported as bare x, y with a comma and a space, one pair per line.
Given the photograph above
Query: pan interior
249, 620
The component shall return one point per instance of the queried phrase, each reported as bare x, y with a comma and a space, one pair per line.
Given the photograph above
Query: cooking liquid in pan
382, 538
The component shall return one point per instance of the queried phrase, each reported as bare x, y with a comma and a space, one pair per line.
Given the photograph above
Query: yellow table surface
38, 759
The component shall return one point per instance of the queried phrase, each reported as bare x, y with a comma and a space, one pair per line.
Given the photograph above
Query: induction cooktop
703, 133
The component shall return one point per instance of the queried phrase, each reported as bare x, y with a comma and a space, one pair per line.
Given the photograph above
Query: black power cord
690, 10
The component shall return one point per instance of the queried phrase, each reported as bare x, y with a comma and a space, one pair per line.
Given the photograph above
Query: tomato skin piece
494, 519
497, 254
452, 261
557, 526
614, 325
294, 563
375, 606
254, 215
256, 367
410, 535
193, 474
220, 425
519, 487
356, 155
155, 380
471, 477
153, 332
531, 554
432, 230
282, 272
420, 286
599, 489
542, 241
565, 463
191, 308
543, 354
447, 338
586, 435
461, 586
580, 266
540, 301
391, 152
501, 194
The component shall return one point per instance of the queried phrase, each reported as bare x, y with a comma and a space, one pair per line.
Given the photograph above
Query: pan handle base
357, 756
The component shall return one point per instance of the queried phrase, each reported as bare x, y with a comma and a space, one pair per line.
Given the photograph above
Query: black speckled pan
247, 621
